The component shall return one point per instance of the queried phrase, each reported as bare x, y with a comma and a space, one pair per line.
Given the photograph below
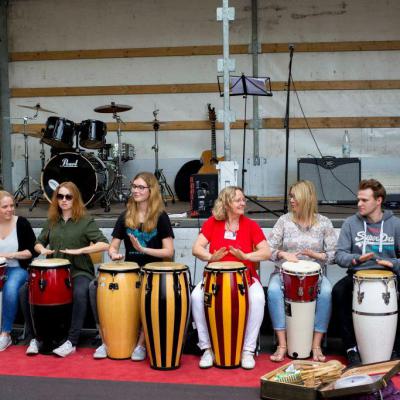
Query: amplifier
336, 179
203, 193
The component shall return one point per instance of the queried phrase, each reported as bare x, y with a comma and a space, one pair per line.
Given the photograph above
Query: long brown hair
306, 197
78, 208
155, 204
224, 202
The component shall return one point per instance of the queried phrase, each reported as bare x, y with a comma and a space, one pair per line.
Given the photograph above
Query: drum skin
226, 307
375, 314
300, 280
118, 305
165, 307
50, 298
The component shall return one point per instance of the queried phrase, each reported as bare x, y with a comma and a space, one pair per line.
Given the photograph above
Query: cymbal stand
38, 194
164, 187
21, 194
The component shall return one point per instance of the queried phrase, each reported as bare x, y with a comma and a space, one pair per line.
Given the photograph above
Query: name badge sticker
230, 235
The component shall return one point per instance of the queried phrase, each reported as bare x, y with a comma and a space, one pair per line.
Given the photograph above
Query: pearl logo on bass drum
65, 163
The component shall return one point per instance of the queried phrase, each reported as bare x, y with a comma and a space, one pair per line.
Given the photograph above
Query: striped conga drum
165, 305
3, 266
226, 307
50, 299
118, 305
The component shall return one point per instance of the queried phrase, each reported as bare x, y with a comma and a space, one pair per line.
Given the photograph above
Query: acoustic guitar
209, 158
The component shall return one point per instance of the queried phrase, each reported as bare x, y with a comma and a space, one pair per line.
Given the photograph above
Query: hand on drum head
363, 258
10, 256
237, 253
292, 257
73, 252
135, 243
116, 256
218, 254
313, 254
46, 252
385, 263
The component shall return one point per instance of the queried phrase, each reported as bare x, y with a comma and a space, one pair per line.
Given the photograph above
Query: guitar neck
213, 141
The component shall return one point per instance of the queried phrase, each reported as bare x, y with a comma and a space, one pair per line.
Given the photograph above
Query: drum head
50, 262
225, 266
373, 274
303, 266
79, 168
123, 266
164, 266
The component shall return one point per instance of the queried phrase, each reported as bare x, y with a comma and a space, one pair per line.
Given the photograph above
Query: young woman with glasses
69, 233
146, 231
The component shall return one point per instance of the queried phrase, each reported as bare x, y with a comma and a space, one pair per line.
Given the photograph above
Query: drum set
98, 176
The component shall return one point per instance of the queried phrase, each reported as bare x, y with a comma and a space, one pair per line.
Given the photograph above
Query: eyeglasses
139, 187
240, 201
68, 197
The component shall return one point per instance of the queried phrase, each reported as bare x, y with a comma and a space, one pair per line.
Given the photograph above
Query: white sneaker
139, 354
65, 349
101, 352
207, 359
248, 361
33, 348
5, 341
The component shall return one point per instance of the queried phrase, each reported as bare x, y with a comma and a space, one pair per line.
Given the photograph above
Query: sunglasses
68, 197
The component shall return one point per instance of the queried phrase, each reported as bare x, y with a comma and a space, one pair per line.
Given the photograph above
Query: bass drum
86, 170
182, 179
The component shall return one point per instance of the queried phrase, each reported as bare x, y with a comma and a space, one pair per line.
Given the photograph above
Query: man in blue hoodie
369, 239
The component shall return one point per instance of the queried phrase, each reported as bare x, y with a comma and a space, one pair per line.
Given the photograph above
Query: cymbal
37, 107
113, 108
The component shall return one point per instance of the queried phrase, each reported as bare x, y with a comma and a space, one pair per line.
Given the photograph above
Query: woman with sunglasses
147, 234
69, 233
16, 247
301, 234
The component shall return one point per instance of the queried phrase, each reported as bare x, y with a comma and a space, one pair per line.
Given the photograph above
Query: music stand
243, 86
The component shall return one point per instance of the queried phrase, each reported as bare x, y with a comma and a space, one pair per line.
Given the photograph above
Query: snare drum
118, 304
92, 134
59, 133
165, 305
226, 307
375, 313
3, 266
50, 299
110, 152
300, 282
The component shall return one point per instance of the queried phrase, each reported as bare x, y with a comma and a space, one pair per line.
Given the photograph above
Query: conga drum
300, 282
3, 266
375, 314
50, 299
118, 305
226, 305
165, 307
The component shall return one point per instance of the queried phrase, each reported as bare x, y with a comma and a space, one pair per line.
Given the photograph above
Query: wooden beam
267, 123
204, 50
194, 88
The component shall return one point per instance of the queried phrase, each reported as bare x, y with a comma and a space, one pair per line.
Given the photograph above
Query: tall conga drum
300, 282
226, 305
50, 299
118, 305
3, 266
165, 307
375, 314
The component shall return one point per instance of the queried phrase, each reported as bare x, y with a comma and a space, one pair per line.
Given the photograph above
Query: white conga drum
118, 304
300, 281
3, 266
375, 314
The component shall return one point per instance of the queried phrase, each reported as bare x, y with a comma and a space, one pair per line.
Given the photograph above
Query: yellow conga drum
226, 307
165, 305
118, 305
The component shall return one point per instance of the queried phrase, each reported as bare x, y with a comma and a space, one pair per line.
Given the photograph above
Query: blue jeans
276, 304
16, 277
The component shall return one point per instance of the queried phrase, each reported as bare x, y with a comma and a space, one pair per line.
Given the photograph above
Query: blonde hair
306, 197
155, 204
4, 193
224, 202
78, 208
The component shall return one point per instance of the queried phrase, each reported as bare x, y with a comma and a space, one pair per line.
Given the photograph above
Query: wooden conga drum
118, 305
226, 307
375, 312
165, 307
50, 299
3, 266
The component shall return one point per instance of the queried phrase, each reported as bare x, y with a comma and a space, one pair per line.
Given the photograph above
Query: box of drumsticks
310, 380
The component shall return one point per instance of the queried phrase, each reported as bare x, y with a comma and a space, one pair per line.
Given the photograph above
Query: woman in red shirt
230, 236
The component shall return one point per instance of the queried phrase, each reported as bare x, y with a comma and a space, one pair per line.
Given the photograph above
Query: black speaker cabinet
336, 179
203, 193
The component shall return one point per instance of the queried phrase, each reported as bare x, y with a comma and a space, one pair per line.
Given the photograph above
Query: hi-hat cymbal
37, 107
113, 108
